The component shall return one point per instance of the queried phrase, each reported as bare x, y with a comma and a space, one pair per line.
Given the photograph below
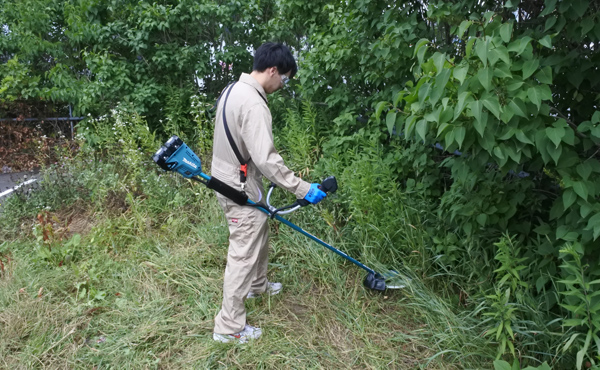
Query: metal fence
49, 119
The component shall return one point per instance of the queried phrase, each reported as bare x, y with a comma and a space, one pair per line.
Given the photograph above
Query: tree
94, 54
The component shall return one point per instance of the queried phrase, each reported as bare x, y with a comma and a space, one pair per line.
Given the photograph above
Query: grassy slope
158, 277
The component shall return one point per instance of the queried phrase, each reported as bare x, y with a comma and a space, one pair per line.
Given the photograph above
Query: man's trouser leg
259, 281
248, 247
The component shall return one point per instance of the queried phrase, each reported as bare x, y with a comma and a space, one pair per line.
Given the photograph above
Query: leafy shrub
516, 163
503, 365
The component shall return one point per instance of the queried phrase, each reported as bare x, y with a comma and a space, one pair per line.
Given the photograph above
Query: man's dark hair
274, 55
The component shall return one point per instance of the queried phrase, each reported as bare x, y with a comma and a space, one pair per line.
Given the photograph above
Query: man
243, 152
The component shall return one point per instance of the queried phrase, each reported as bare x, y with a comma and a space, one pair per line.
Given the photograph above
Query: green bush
523, 167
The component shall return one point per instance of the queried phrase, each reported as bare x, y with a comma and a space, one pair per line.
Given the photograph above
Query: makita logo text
190, 163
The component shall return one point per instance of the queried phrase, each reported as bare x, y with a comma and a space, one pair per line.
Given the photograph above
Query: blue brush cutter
175, 155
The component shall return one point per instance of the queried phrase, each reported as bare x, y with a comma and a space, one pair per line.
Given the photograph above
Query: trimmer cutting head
374, 281
379, 282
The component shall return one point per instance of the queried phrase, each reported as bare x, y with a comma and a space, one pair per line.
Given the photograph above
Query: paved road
8, 181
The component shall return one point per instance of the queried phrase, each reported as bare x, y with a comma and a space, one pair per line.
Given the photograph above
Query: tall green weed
581, 301
296, 137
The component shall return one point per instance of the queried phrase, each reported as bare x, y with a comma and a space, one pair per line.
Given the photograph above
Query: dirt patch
6, 265
81, 224
75, 219
340, 337
64, 223
299, 310
116, 201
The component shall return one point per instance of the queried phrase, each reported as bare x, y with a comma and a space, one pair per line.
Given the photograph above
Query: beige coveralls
250, 124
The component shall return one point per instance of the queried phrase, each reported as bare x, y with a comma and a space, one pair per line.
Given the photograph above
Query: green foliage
449, 125
519, 158
15, 82
503, 365
93, 54
145, 277
297, 137
511, 267
503, 315
582, 302
203, 117
177, 107
496, 88
508, 298
355, 49
124, 132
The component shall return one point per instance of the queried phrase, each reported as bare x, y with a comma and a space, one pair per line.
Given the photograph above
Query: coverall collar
247, 79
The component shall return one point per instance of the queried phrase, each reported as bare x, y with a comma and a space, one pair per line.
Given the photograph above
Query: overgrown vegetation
126, 271
527, 166
463, 134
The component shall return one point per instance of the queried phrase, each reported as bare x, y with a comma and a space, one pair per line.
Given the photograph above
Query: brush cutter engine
176, 156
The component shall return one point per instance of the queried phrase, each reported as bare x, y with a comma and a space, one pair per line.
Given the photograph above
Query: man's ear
272, 71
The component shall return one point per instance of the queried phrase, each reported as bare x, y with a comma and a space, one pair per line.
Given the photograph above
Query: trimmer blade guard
375, 282
394, 280
176, 156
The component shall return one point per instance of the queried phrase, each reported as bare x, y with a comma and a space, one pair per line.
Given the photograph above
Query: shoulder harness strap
236, 151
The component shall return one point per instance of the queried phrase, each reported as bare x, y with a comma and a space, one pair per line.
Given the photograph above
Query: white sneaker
272, 289
249, 332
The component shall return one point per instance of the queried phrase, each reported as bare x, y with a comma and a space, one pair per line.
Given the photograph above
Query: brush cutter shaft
238, 197
314, 238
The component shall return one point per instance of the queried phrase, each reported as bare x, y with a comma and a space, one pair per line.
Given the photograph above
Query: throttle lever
329, 185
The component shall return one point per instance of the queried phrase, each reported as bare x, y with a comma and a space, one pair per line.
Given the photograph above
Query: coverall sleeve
258, 136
